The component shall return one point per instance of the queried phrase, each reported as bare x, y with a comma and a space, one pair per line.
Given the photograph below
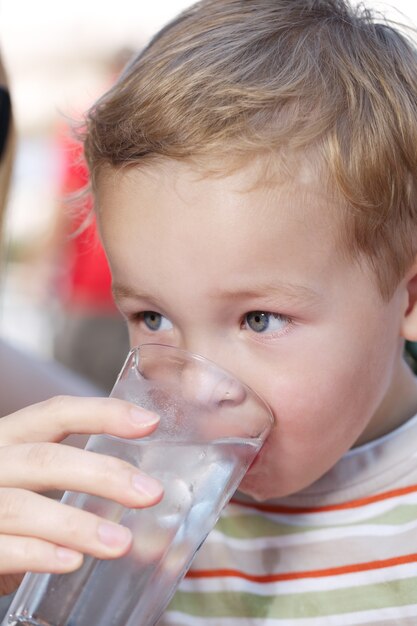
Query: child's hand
36, 532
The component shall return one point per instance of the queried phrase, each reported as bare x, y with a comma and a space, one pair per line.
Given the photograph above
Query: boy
255, 175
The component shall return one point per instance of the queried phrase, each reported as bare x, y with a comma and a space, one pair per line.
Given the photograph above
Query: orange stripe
319, 573
352, 504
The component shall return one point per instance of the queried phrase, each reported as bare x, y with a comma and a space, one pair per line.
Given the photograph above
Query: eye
155, 321
262, 321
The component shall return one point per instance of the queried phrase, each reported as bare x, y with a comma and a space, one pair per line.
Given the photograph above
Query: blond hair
239, 77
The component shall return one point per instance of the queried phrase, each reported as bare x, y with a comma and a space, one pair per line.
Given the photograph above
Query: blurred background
55, 288
60, 58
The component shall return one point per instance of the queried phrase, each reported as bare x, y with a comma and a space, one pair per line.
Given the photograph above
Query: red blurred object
85, 280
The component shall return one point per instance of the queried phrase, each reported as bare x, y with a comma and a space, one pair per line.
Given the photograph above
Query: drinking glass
212, 426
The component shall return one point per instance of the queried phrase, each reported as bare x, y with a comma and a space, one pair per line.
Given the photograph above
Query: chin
262, 483
259, 488
259, 495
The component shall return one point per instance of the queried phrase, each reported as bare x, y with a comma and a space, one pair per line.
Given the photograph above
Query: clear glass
212, 427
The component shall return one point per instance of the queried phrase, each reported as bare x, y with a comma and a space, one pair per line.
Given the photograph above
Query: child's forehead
263, 233
257, 188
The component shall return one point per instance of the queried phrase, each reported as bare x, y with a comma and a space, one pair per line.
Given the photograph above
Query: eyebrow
124, 291
272, 290
269, 290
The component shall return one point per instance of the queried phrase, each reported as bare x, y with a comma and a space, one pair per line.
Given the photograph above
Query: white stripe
310, 536
343, 516
367, 618
302, 585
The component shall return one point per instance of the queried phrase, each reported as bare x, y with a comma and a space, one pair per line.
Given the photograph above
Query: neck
398, 405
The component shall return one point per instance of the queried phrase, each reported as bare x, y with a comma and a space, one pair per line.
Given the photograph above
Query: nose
216, 350
207, 385
221, 406
195, 397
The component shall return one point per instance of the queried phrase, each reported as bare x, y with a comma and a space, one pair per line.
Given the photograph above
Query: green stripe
253, 526
312, 604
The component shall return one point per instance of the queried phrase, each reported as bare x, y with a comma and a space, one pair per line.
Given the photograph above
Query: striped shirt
340, 553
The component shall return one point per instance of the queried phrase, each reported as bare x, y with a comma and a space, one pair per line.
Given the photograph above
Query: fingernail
114, 535
146, 485
68, 556
141, 417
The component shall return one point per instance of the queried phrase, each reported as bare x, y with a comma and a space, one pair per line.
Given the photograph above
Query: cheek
332, 380
321, 408
334, 398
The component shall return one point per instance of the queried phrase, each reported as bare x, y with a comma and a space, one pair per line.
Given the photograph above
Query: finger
30, 515
58, 417
49, 466
23, 554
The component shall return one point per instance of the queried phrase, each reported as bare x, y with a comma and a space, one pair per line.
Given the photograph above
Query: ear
409, 322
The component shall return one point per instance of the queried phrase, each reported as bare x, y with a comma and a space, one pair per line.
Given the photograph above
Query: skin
203, 253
